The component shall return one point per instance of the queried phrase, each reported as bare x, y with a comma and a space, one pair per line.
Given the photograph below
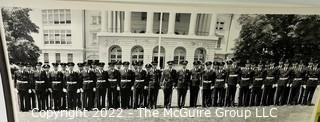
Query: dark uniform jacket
88, 79
285, 76
196, 76
259, 77
41, 80
102, 79
233, 75
140, 78
246, 77
183, 79
313, 76
73, 81
169, 78
208, 79
272, 76
299, 75
153, 79
114, 78
57, 80
220, 78
22, 80
127, 79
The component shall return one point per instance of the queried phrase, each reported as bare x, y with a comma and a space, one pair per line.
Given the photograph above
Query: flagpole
159, 40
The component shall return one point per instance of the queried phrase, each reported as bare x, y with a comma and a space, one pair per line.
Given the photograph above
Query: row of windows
57, 36
137, 54
56, 16
57, 57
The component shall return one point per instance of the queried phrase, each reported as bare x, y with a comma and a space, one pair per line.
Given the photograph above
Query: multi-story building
78, 35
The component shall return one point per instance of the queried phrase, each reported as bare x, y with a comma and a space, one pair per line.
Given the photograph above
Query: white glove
81, 90
262, 87
16, 90
201, 87
94, 89
290, 85
238, 86
132, 88
65, 90
145, 87
78, 90
212, 87
29, 91
250, 87
118, 88
225, 85
33, 90
50, 90
304, 86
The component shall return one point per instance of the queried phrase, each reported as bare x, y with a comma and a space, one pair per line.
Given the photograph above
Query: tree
266, 37
19, 27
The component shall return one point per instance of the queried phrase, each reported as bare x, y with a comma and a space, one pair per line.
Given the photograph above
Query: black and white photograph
103, 64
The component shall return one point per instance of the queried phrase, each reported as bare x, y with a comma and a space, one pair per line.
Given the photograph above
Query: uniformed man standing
299, 75
22, 85
32, 93
80, 90
245, 81
153, 79
259, 77
285, 74
271, 78
233, 78
126, 84
219, 91
208, 79
88, 85
196, 76
73, 86
183, 83
41, 82
58, 86
139, 85
168, 79
102, 85
313, 76
114, 78
64, 94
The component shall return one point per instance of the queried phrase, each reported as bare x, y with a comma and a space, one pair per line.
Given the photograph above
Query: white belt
233, 75
125, 80
40, 81
283, 78
101, 81
71, 82
270, 78
207, 81
313, 78
257, 78
139, 80
245, 78
112, 80
220, 80
56, 81
297, 79
88, 81
22, 81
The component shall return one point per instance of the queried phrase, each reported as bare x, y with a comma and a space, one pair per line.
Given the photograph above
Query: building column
192, 24
114, 20
118, 21
213, 24
172, 21
109, 21
149, 22
103, 21
127, 22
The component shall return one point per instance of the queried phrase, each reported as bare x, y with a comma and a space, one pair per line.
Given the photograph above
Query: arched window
179, 55
137, 53
115, 53
200, 54
155, 55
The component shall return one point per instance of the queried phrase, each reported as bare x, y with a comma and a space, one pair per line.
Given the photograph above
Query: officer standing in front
245, 81
41, 82
233, 78
22, 85
126, 84
114, 78
58, 86
183, 83
168, 79
88, 86
102, 85
139, 84
196, 76
259, 77
73, 85
219, 91
313, 75
271, 78
153, 79
208, 79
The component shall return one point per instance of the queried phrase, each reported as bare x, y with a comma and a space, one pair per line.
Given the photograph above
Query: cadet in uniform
127, 80
168, 79
139, 84
233, 77
285, 74
80, 90
153, 79
271, 78
102, 85
245, 81
299, 74
88, 86
22, 85
58, 86
41, 83
208, 79
114, 78
259, 77
118, 65
196, 75
219, 91
312, 82
32, 90
73, 86
183, 83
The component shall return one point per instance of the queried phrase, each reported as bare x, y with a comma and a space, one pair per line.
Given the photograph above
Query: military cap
134, 63
148, 65
101, 64
39, 63
70, 64
126, 63
55, 64
229, 61
208, 63
95, 62
170, 62
88, 63
140, 63
154, 62
183, 62
63, 64
196, 63
80, 64
46, 66
221, 63
118, 63
111, 63
215, 63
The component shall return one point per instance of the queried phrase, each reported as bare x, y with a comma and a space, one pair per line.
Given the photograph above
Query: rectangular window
45, 57
143, 16
57, 36
70, 57
46, 36
68, 16
63, 36
51, 36
68, 38
56, 16
58, 58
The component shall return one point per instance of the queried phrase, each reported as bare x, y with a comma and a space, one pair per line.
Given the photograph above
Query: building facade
79, 35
